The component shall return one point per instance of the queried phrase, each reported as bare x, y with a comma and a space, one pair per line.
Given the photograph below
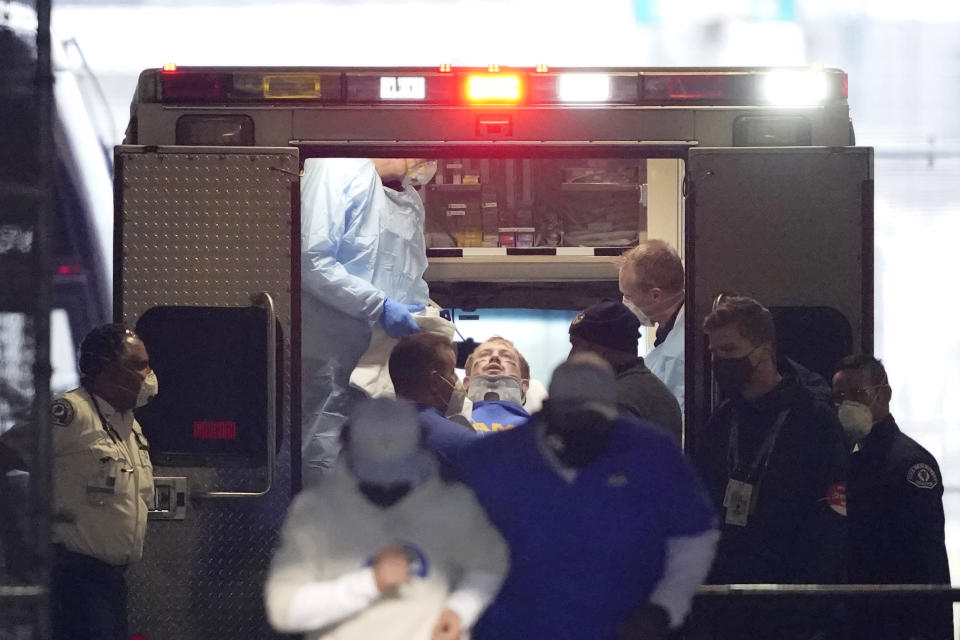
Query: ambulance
546, 175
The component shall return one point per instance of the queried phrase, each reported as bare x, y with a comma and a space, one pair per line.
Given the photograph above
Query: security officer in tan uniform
103, 482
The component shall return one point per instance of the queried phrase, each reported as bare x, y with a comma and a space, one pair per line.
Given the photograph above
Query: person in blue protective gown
363, 258
497, 377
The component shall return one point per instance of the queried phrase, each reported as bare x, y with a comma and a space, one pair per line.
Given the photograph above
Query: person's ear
524, 384
884, 393
466, 381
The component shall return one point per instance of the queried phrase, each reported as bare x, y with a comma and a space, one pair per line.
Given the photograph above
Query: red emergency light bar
446, 85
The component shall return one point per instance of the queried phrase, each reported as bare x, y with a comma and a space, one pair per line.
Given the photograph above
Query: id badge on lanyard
740, 497
738, 501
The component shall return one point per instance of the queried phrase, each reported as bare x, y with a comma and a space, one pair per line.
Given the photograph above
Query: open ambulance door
791, 227
207, 269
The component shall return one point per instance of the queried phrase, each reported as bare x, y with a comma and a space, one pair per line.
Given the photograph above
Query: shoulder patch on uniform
62, 412
922, 476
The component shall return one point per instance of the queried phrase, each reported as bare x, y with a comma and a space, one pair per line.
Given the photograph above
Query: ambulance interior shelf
472, 295
536, 202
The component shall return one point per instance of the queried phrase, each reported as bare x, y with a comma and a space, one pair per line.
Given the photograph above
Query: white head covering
385, 444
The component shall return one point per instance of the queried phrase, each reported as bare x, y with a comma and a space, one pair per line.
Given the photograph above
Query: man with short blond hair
524, 365
497, 377
651, 281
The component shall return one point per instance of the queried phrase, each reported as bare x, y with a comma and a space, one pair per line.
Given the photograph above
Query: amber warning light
494, 87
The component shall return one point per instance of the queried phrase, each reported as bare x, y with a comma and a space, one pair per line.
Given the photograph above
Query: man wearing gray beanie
610, 330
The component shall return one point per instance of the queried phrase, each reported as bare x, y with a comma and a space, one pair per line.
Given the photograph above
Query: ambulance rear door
791, 227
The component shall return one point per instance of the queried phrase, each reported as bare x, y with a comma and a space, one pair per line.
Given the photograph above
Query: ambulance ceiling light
795, 87
583, 87
169, 67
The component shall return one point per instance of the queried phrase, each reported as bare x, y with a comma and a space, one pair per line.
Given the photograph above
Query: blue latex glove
397, 318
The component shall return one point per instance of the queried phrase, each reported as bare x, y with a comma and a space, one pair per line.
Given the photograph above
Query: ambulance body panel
537, 195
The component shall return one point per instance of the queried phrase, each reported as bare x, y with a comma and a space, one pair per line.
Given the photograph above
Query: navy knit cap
608, 323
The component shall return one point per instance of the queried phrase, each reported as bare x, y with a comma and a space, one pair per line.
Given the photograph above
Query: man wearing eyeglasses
895, 510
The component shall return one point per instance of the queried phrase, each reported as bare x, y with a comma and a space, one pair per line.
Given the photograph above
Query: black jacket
641, 395
797, 531
897, 535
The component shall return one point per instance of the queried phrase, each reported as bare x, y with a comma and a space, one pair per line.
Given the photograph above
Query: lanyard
103, 421
762, 458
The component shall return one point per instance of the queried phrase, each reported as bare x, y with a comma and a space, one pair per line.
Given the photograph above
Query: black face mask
577, 437
732, 374
384, 495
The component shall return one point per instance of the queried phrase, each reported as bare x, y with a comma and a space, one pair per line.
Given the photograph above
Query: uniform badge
62, 412
922, 476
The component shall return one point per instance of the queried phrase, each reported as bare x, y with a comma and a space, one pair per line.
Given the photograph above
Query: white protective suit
361, 242
321, 580
666, 360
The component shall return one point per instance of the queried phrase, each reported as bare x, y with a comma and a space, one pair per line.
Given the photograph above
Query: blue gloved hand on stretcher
397, 318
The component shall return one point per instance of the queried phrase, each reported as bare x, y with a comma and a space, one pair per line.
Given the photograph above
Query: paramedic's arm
296, 600
329, 211
485, 564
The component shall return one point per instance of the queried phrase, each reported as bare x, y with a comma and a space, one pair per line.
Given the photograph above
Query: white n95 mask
641, 316
460, 407
856, 419
493, 388
149, 389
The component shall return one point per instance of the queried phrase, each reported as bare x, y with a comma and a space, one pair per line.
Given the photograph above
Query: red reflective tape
215, 430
